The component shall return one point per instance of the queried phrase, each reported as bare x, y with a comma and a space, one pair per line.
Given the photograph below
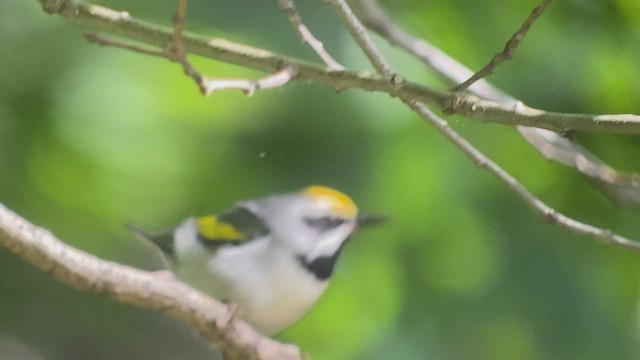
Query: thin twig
451, 71
546, 212
509, 48
263, 60
359, 33
277, 79
622, 188
306, 36
178, 28
102, 41
209, 85
201, 81
139, 288
483, 162
176, 51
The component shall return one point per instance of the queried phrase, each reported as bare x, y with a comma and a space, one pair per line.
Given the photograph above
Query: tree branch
621, 188
87, 273
604, 236
177, 53
121, 23
306, 36
360, 35
509, 48
550, 215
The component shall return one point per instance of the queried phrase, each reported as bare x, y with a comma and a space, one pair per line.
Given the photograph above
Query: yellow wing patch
211, 229
338, 202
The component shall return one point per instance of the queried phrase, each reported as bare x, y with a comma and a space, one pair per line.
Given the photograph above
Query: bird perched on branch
272, 257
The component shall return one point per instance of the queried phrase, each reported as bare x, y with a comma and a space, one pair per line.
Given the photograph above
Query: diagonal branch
622, 188
509, 48
450, 70
177, 52
360, 35
479, 159
550, 215
306, 36
213, 320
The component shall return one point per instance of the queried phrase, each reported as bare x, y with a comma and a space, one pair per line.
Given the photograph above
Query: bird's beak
368, 220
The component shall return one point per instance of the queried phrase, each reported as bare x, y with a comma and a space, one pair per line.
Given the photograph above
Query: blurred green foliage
91, 138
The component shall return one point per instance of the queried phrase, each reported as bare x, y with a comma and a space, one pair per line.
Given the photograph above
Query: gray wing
163, 241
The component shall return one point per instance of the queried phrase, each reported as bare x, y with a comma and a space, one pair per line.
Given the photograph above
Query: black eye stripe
324, 223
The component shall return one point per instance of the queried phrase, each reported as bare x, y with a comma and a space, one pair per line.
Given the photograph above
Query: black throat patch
321, 267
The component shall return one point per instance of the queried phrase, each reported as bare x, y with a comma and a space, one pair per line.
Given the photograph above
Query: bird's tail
163, 241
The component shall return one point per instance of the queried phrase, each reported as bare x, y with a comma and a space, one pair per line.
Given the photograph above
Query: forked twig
622, 188
176, 52
550, 215
306, 36
360, 35
478, 158
509, 48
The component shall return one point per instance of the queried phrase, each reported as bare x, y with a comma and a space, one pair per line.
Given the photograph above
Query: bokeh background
92, 138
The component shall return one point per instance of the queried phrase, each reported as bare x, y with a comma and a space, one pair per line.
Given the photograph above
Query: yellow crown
338, 202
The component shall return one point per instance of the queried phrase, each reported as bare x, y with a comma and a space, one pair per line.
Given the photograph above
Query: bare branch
450, 70
174, 52
550, 215
277, 79
102, 41
306, 36
359, 33
621, 188
234, 53
209, 85
87, 273
177, 52
509, 48
483, 162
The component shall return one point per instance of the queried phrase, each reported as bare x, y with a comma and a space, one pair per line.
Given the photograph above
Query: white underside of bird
269, 287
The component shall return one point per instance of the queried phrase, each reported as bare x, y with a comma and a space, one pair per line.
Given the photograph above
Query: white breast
266, 281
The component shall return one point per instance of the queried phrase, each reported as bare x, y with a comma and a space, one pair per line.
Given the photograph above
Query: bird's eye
324, 223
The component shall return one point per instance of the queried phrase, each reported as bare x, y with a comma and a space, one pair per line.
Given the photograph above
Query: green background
92, 138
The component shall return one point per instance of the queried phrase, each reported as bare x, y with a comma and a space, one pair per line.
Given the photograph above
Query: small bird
272, 257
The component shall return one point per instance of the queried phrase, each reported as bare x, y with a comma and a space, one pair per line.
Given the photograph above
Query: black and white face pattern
322, 265
311, 229
324, 223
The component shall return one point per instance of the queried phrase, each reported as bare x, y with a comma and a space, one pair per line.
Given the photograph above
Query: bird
271, 257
